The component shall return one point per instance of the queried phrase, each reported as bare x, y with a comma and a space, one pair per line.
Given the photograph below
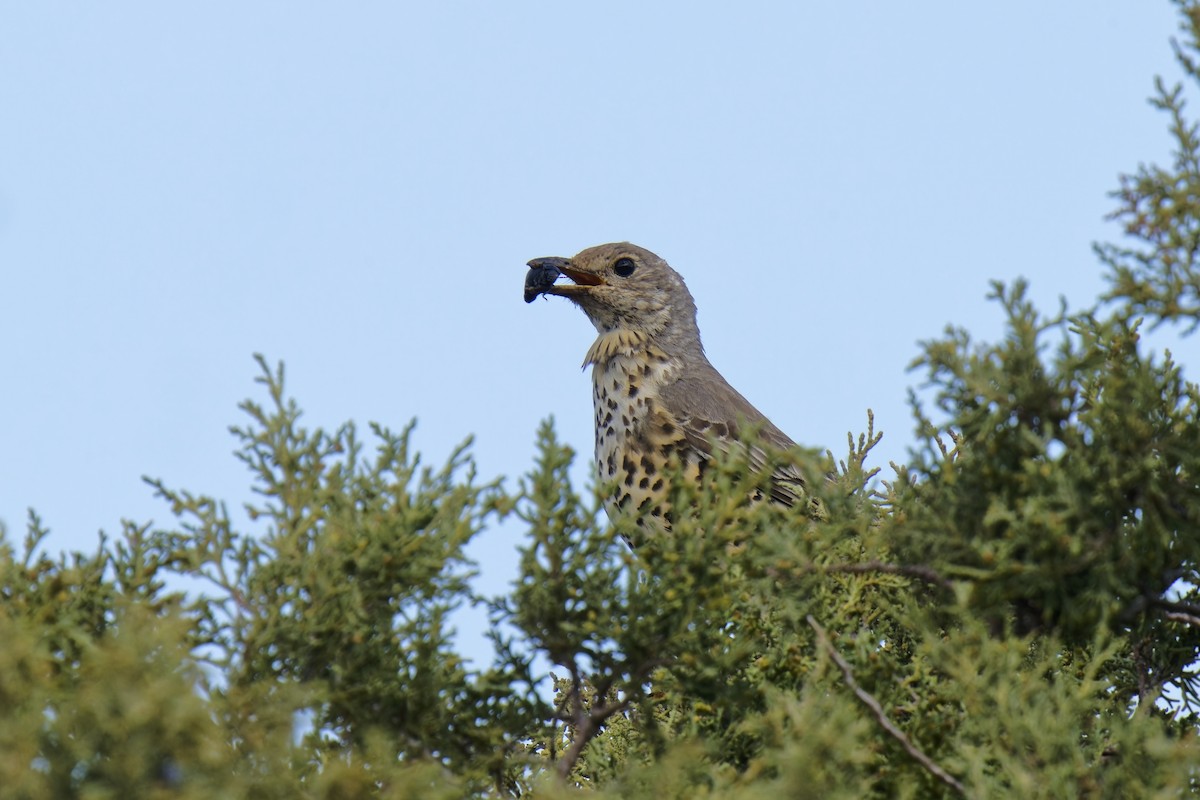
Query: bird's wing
711, 413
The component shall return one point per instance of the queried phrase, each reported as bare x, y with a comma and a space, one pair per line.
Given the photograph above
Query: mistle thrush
656, 395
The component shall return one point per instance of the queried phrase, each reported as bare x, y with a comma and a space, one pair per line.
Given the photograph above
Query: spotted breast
636, 436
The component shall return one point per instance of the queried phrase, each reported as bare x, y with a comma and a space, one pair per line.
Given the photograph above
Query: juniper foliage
1015, 612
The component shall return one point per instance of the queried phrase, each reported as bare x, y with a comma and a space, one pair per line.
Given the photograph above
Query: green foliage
1014, 614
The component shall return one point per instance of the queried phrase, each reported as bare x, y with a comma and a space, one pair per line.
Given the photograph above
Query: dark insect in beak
540, 277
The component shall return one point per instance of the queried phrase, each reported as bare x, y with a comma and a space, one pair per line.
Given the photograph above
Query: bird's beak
545, 270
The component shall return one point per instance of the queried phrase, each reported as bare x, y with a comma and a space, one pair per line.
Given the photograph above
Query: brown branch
880, 716
586, 729
1188, 613
588, 724
1177, 616
1170, 605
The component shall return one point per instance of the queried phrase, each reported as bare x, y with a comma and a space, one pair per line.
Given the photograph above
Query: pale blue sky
355, 190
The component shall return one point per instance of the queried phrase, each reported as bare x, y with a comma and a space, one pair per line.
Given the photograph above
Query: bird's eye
624, 267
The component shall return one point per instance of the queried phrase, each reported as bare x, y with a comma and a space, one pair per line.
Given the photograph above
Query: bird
656, 395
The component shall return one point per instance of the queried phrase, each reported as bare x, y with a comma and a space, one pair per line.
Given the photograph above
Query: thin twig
1176, 616
586, 727
880, 716
1173, 605
587, 724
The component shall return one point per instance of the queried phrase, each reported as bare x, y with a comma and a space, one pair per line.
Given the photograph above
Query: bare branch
586, 728
588, 724
1189, 609
880, 716
1176, 616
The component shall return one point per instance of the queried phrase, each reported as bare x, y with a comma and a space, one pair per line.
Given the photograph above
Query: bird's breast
636, 435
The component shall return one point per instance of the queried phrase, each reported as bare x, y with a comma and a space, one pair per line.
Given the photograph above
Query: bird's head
621, 286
